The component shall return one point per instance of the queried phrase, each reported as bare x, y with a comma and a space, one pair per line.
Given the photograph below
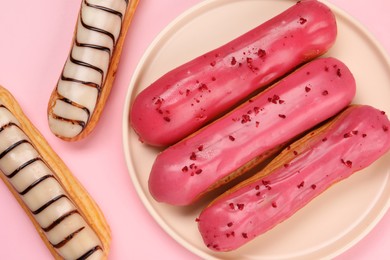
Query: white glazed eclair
66, 217
88, 74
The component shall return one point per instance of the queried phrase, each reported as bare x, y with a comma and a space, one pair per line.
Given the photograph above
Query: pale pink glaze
315, 92
186, 98
359, 137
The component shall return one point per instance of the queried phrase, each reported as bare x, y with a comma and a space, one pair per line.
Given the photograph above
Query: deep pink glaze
358, 138
298, 102
186, 98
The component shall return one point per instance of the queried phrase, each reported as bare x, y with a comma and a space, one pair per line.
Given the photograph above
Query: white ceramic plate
334, 221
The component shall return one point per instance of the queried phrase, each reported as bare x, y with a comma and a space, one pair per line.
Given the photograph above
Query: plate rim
176, 22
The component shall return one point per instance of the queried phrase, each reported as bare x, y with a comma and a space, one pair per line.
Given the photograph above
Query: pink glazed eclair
252, 132
349, 143
193, 94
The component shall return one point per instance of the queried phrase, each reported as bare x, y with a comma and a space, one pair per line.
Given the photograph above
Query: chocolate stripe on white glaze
69, 237
35, 183
88, 254
59, 220
43, 192
21, 167
83, 77
47, 204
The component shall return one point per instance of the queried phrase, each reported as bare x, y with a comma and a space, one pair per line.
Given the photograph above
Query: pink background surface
35, 40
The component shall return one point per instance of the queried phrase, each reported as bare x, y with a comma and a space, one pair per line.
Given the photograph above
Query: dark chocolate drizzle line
85, 64
103, 8
89, 253
86, 83
34, 184
70, 102
21, 167
72, 121
93, 46
47, 204
67, 239
13, 146
59, 220
8, 125
92, 28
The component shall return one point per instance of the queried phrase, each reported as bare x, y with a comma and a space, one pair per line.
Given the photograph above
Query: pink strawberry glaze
317, 91
358, 138
188, 97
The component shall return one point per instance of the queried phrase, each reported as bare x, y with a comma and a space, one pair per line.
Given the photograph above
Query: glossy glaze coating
355, 140
193, 94
250, 133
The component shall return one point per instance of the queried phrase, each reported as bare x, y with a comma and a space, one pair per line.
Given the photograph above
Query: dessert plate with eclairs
289, 211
